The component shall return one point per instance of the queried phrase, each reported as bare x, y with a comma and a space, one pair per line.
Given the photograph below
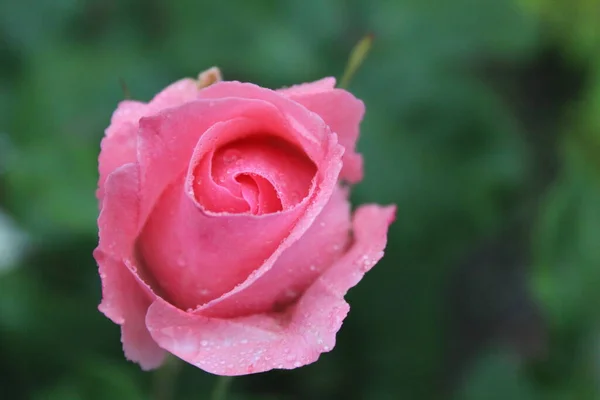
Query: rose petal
322, 85
195, 257
307, 125
118, 222
215, 170
326, 183
297, 267
117, 150
167, 140
173, 95
119, 145
342, 112
124, 301
128, 112
178, 236
126, 304
287, 340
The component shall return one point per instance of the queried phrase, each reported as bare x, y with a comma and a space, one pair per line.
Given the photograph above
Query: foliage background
482, 124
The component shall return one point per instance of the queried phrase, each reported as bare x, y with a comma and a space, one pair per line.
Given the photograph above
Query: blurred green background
482, 125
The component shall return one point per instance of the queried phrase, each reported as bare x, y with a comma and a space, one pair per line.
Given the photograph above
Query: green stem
357, 56
165, 379
221, 387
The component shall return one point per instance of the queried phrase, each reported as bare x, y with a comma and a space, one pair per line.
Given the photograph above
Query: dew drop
231, 156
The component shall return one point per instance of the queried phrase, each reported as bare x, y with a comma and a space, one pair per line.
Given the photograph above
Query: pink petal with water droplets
189, 252
342, 112
285, 340
167, 141
124, 301
195, 257
119, 145
297, 267
246, 147
308, 126
322, 85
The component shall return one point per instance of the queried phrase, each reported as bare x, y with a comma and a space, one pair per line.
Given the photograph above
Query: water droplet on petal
231, 156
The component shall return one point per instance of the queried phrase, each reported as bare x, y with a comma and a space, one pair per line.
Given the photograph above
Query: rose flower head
226, 235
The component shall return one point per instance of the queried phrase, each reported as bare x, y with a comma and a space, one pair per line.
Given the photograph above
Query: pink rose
226, 237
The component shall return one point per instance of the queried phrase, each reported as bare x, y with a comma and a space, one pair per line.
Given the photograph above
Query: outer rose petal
119, 145
343, 113
126, 304
173, 95
123, 300
321, 85
287, 340
307, 125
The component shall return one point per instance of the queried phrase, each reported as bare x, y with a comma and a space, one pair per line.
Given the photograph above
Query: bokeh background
482, 125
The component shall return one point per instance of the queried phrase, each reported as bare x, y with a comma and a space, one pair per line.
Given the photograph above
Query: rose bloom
226, 235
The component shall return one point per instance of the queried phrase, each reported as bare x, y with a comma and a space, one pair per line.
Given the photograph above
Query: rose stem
220, 390
165, 379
